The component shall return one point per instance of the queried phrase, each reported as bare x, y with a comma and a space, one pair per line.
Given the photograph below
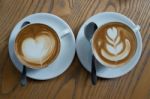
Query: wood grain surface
75, 82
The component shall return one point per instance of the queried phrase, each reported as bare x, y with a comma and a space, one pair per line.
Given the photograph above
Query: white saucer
84, 50
65, 56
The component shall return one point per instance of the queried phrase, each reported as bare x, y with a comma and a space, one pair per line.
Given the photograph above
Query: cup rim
136, 36
32, 66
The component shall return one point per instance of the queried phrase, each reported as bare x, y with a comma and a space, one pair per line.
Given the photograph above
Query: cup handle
64, 33
137, 28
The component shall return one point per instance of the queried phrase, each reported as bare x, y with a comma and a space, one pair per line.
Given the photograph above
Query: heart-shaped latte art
35, 49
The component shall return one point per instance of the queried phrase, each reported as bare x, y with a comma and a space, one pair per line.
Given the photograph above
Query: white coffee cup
117, 17
59, 35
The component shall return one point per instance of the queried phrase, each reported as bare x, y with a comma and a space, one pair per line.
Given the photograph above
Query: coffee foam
113, 42
116, 56
37, 45
36, 50
113, 45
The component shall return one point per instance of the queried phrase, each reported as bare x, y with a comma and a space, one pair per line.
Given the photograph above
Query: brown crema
43, 38
114, 43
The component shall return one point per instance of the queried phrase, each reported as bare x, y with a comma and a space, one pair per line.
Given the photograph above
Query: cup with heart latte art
37, 45
114, 44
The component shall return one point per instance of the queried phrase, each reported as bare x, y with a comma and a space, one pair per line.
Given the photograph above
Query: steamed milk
37, 45
114, 43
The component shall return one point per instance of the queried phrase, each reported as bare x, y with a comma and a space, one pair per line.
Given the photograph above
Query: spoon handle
93, 72
23, 79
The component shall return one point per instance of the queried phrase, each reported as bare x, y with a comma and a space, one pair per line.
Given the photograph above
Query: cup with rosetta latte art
37, 45
114, 44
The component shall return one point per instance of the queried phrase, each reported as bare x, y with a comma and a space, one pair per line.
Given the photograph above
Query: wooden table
75, 83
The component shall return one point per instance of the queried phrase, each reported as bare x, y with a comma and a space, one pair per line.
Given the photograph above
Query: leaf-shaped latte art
112, 33
114, 44
121, 56
115, 50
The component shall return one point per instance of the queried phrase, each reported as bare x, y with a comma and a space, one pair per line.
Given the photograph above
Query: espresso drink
114, 44
37, 45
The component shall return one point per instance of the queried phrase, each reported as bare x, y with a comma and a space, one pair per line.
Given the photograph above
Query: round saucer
84, 49
67, 47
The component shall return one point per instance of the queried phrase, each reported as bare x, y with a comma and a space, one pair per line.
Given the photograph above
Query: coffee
37, 45
114, 44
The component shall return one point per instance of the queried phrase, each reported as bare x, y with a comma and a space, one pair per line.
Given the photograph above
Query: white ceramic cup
60, 36
135, 28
